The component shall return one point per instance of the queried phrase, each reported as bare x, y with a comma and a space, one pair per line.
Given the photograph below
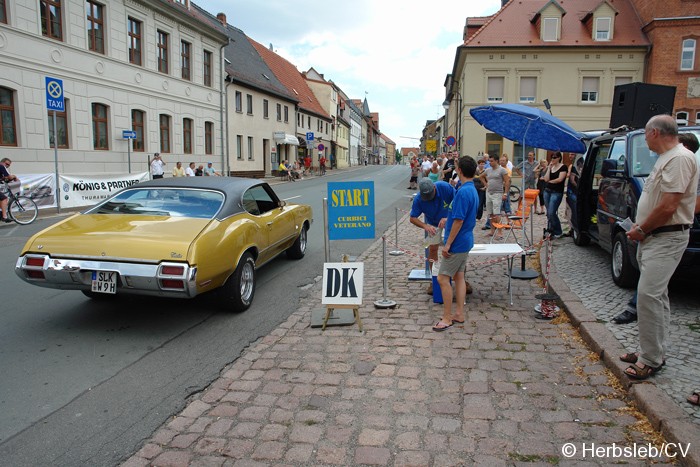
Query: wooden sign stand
355, 311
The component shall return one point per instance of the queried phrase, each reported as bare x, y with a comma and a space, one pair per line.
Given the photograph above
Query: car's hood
149, 238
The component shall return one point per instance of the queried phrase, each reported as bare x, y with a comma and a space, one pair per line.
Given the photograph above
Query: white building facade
141, 65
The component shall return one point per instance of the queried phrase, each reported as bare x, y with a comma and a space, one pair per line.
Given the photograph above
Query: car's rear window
172, 202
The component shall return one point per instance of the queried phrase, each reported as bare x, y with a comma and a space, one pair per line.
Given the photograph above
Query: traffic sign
450, 140
310, 136
321, 147
128, 134
54, 94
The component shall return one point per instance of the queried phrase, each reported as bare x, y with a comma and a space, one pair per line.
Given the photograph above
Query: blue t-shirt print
463, 207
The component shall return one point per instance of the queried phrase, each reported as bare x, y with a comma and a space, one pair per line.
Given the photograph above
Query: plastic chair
519, 219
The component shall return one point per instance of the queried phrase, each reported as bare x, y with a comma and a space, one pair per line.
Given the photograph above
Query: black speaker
635, 103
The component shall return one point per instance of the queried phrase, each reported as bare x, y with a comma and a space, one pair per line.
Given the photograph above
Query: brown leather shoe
469, 287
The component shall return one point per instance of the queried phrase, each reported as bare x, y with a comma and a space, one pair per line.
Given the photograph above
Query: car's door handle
269, 224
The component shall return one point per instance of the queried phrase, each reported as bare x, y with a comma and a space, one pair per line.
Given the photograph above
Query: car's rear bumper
133, 278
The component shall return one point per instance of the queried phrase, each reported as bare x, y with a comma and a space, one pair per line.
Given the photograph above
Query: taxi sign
54, 94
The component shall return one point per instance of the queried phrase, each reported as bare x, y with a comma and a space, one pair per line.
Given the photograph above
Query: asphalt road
84, 382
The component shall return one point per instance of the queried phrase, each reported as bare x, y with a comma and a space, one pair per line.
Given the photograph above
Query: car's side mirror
282, 203
610, 169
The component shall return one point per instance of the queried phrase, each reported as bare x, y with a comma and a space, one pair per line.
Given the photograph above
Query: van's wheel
298, 248
623, 272
580, 239
238, 291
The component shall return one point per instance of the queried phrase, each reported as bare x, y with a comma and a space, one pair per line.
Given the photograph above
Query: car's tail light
34, 274
35, 261
172, 284
172, 270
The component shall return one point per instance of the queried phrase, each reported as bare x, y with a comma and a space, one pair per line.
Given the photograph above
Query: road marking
293, 197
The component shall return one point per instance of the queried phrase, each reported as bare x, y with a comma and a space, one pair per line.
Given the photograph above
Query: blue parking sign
54, 94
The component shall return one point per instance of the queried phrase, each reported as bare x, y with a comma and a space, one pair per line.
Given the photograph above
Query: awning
283, 138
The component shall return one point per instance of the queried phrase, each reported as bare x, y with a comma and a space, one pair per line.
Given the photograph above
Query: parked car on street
604, 188
173, 237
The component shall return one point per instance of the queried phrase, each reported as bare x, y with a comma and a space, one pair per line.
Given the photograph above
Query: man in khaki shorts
497, 184
459, 239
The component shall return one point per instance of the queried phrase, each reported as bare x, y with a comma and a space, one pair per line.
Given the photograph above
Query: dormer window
550, 29
602, 29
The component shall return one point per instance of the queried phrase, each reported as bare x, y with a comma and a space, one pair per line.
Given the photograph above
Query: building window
249, 104
688, 54
164, 123
208, 138
100, 137
3, 12
697, 118
550, 29
528, 89
602, 29
589, 89
134, 41
308, 122
8, 131
239, 147
185, 62
279, 112
682, 118
162, 52
207, 67
494, 89
286, 114
250, 148
137, 119
61, 128
51, 19
187, 135
95, 26
266, 108
239, 101
620, 80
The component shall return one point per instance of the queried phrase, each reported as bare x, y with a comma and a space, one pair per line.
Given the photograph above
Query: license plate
104, 281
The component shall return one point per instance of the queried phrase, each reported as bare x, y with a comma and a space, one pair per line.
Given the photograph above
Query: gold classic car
173, 237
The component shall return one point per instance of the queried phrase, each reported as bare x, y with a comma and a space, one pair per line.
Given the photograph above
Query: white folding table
499, 249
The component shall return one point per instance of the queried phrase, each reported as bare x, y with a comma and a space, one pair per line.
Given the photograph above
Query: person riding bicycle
5, 176
322, 165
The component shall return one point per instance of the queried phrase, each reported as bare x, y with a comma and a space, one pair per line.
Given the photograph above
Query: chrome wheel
247, 283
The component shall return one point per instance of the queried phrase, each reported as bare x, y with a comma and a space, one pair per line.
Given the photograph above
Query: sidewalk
502, 389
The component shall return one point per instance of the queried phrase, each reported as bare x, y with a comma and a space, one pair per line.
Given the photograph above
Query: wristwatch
639, 229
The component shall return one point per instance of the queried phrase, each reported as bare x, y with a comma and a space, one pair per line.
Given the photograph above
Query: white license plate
104, 281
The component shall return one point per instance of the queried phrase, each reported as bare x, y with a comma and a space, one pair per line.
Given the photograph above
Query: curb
663, 413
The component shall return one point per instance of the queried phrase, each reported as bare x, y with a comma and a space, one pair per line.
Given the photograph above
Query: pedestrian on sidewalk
459, 240
664, 215
432, 201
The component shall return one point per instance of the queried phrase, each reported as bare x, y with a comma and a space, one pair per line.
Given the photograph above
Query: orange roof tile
292, 79
512, 27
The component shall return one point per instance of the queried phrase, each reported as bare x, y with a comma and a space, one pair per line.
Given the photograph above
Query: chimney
221, 17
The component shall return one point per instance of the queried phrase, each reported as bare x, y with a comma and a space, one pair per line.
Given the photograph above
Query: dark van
604, 187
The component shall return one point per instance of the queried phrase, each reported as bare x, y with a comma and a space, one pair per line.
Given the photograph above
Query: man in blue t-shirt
432, 201
459, 239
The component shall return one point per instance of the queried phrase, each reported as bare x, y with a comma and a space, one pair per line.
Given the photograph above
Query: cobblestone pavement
502, 389
587, 273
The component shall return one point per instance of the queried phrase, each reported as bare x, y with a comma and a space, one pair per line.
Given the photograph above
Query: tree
397, 156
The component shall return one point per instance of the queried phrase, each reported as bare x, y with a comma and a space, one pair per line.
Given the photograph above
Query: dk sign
342, 283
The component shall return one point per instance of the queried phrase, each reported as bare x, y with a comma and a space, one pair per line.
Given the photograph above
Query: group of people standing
158, 169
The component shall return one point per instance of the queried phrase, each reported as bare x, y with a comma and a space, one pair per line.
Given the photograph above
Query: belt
670, 228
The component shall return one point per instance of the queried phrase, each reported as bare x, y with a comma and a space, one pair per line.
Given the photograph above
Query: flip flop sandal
439, 328
641, 373
457, 321
694, 398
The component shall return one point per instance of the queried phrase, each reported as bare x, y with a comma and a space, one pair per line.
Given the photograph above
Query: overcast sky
398, 52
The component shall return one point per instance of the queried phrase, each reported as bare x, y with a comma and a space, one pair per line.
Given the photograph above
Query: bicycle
21, 209
514, 194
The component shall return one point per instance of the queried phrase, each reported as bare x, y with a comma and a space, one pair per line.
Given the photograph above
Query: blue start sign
54, 94
350, 210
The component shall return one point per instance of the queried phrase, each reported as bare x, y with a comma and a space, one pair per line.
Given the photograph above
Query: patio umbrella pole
523, 273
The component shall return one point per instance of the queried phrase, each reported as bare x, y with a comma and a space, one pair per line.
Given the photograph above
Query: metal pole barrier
55, 161
326, 239
396, 252
384, 302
